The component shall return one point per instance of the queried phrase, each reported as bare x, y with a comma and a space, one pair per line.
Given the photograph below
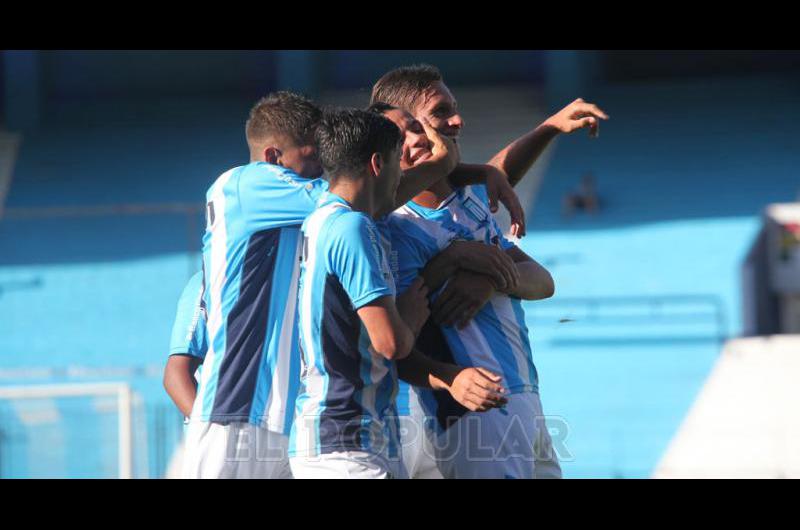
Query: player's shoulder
347, 233
194, 284
406, 210
408, 228
273, 173
405, 219
344, 222
222, 180
333, 217
191, 295
346, 228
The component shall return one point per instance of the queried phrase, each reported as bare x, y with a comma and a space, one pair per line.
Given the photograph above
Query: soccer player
418, 452
251, 248
244, 405
426, 241
498, 326
351, 330
188, 346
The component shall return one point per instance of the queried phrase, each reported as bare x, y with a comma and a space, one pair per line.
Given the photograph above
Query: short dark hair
379, 107
402, 86
284, 113
347, 138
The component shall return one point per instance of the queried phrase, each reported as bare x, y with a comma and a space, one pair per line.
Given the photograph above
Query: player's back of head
282, 114
347, 139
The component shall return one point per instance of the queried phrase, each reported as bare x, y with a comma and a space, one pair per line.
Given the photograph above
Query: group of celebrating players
359, 310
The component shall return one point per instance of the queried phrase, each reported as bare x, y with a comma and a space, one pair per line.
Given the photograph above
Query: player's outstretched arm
477, 389
518, 156
389, 334
179, 381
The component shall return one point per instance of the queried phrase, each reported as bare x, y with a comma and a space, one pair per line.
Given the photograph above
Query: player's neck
435, 195
357, 194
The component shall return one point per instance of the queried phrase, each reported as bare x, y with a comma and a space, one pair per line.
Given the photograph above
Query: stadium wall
744, 422
70, 74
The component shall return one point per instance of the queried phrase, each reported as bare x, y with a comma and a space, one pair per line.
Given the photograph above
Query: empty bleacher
683, 170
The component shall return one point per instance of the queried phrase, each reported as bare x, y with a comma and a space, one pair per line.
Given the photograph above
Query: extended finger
423, 291
486, 395
463, 312
472, 403
484, 382
444, 314
491, 376
443, 298
487, 403
594, 110
418, 284
454, 312
432, 133
583, 122
468, 315
515, 210
493, 194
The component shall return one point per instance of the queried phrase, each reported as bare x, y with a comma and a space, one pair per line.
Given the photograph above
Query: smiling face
439, 107
416, 146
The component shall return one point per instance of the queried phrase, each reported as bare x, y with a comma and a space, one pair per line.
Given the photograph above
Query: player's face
302, 159
439, 107
389, 179
416, 145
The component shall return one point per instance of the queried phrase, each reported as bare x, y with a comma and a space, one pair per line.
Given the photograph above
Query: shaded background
108, 154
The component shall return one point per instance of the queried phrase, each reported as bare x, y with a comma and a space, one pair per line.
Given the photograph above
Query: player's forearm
535, 282
389, 335
420, 370
180, 384
467, 175
394, 343
416, 180
518, 156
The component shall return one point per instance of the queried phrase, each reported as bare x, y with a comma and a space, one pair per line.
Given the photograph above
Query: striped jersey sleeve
189, 330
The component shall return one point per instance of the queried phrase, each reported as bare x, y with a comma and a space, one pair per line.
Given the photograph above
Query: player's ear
272, 155
375, 164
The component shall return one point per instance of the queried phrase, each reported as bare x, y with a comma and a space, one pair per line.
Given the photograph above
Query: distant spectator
584, 197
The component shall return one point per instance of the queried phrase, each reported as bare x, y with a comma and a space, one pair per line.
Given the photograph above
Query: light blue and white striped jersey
497, 338
347, 400
251, 253
189, 330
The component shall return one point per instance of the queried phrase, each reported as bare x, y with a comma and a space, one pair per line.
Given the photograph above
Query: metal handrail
659, 302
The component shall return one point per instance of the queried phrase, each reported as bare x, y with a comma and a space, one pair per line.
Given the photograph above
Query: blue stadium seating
683, 171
